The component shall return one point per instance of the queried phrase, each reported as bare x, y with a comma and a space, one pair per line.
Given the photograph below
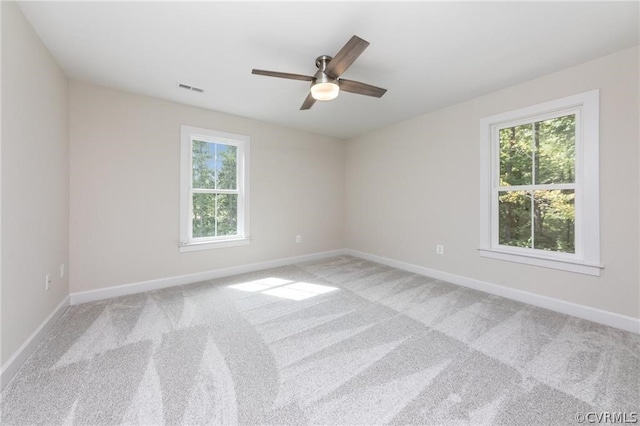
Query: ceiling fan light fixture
325, 91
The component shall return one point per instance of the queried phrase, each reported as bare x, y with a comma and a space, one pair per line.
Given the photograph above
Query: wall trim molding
608, 318
78, 298
11, 367
573, 309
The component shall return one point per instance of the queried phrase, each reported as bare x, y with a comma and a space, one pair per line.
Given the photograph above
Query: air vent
187, 87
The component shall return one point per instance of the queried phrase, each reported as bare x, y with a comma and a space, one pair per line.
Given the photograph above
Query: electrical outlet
439, 249
47, 282
62, 270
298, 239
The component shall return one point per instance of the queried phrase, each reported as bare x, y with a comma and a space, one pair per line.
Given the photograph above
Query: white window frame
187, 242
586, 259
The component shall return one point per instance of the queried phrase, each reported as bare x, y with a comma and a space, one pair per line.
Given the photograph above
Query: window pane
226, 160
516, 162
227, 217
555, 150
204, 213
203, 163
554, 220
514, 218
215, 215
214, 165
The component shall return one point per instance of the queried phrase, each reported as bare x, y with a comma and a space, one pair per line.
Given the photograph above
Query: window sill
560, 264
209, 245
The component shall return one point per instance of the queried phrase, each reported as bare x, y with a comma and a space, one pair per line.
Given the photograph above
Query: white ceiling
427, 54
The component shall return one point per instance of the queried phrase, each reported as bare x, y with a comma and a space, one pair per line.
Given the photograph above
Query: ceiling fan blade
282, 75
361, 88
308, 102
346, 56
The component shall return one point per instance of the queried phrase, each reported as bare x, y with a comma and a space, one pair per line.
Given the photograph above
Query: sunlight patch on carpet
285, 289
260, 285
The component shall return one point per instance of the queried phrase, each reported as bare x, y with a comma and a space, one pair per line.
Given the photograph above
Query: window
214, 191
539, 185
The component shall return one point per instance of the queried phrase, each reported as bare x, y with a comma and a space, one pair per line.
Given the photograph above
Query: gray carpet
336, 341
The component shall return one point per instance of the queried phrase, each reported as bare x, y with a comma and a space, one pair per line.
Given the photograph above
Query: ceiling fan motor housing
320, 76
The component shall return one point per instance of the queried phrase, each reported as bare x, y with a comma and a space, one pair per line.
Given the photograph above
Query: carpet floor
335, 341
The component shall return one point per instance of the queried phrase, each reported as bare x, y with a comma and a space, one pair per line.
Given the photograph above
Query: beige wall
125, 158
413, 185
35, 180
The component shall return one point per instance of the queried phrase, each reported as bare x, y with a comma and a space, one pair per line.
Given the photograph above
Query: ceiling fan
326, 82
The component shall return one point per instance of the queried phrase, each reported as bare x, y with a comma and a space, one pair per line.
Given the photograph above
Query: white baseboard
585, 312
139, 287
10, 368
